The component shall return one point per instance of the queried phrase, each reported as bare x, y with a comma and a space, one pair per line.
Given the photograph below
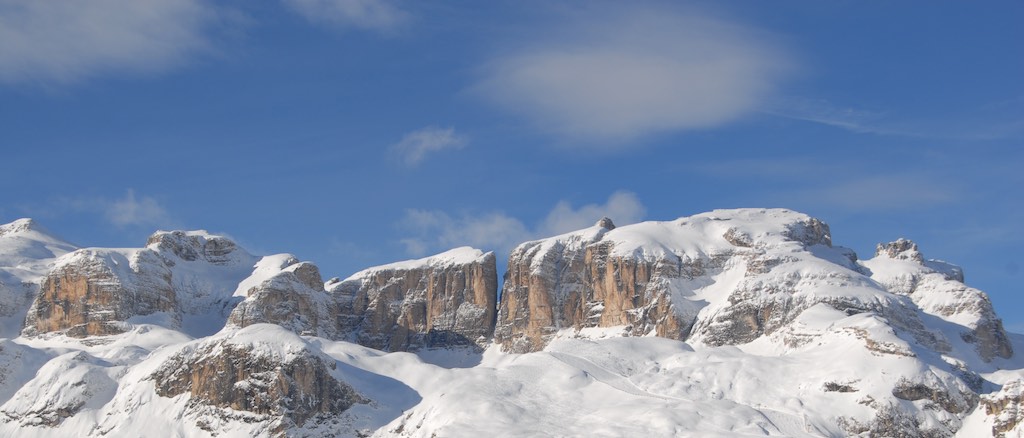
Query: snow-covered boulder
444, 300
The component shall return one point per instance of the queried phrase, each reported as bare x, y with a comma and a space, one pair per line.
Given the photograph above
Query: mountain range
745, 322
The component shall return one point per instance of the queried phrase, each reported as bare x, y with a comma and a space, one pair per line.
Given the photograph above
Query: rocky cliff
726, 278
260, 370
1006, 409
94, 291
575, 281
938, 289
27, 253
443, 300
658, 277
290, 294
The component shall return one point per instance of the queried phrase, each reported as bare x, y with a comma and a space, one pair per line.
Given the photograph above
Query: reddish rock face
85, 297
421, 304
581, 284
94, 291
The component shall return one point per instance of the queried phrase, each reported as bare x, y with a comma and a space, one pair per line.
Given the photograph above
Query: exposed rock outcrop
575, 281
900, 249
262, 370
1007, 408
27, 253
937, 288
935, 393
94, 291
193, 246
90, 292
444, 300
293, 298
656, 277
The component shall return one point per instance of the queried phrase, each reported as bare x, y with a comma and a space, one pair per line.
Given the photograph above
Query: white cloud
143, 211
61, 41
622, 207
619, 75
377, 15
130, 210
415, 146
438, 231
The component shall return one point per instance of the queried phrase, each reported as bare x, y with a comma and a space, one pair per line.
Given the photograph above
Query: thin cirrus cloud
997, 120
416, 145
63, 41
376, 15
436, 230
614, 76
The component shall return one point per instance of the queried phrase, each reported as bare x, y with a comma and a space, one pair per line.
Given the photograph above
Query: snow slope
27, 252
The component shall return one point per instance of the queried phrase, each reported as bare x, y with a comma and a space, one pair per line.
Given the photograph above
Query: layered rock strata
93, 291
27, 253
87, 294
439, 301
723, 278
293, 298
261, 370
656, 277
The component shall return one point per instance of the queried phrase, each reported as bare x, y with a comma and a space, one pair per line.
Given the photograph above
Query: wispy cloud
988, 122
376, 15
827, 113
131, 210
415, 146
436, 230
63, 41
616, 75
136, 211
622, 207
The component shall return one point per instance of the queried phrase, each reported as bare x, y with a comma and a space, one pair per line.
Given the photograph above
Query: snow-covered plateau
747, 322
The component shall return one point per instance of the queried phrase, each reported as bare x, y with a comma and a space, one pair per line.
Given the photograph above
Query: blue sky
359, 132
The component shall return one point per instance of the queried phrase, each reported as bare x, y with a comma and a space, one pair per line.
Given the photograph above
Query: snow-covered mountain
27, 253
742, 322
